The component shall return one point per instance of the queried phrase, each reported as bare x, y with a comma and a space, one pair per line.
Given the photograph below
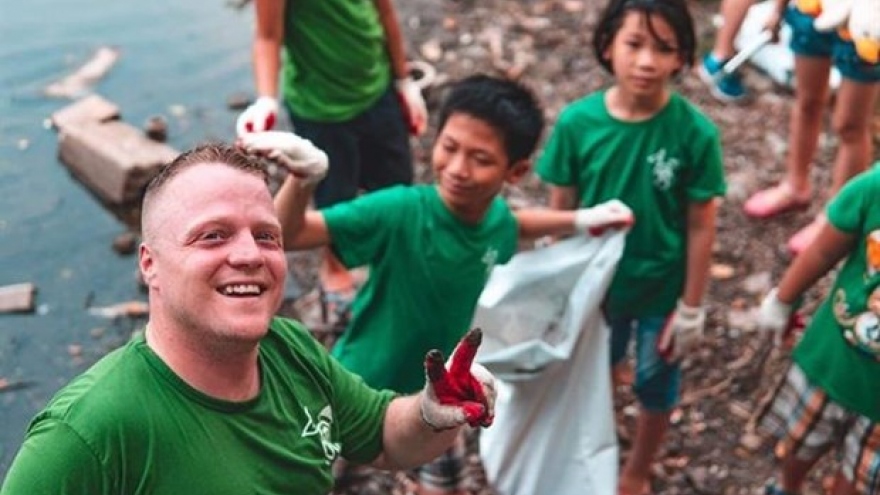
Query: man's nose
245, 252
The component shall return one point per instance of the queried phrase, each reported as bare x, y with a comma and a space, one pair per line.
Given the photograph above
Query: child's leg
657, 389
806, 422
733, 13
805, 124
860, 466
851, 122
442, 476
854, 107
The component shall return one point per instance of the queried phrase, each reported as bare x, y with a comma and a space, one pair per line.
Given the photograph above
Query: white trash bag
544, 337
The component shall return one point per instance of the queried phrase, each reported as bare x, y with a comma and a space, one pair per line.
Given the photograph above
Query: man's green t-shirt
130, 426
336, 61
427, 270
840, 351
657, 167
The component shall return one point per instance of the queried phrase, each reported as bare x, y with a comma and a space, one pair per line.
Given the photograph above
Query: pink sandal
804, 237
775, 201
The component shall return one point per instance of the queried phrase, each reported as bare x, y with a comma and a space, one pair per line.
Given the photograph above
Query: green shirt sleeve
705, 179
54, 460
557, 164
850, 206
359, 228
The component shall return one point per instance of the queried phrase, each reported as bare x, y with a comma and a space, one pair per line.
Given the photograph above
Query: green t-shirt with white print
657, 167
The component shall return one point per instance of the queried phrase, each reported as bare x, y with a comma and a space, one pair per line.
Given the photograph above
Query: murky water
179, 59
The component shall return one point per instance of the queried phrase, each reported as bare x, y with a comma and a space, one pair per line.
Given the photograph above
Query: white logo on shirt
322, 429
664, 169
490, 258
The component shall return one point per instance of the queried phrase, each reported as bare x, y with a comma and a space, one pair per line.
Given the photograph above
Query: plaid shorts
808, 424
445, 472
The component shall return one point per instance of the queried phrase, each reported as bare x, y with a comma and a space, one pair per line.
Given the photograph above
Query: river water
178, 59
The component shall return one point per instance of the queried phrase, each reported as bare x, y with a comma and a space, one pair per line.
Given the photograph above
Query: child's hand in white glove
413, 104
299, 156
682, 332
596, 220
258, 117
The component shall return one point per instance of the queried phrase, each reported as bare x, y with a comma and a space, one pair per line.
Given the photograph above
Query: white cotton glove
682, 332
258, 117
461, 392
414, 108
596, 220
778, 317
298, 155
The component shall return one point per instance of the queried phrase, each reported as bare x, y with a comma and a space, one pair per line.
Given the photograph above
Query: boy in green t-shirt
430, 248
830, 396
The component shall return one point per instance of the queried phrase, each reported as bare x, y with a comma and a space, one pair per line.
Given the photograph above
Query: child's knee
658, 387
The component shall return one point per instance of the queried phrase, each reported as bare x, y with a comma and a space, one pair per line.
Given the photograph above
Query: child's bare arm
830, 246
300, 227
306, 166
700, 237
539, 222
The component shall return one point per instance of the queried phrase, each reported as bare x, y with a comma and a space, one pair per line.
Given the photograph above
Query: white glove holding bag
298, 155
612, 214
260, 116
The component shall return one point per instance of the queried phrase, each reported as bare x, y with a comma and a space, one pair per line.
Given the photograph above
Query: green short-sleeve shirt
840, 351
336, 62
427, 270
657, 167
130, 426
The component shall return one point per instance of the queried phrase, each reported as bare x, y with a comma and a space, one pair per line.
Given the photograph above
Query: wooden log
92, 108
17, 298
113, 159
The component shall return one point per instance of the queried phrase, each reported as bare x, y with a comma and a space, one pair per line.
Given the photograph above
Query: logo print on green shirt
663, 168
490, 258
322, 429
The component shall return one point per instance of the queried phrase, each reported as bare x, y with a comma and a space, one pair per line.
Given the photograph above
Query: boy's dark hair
507, 106
674, 12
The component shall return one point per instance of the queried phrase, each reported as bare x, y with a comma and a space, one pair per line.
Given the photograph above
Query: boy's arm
266, 59
830, 246
538, 222
301, 228
409, 93
306, 166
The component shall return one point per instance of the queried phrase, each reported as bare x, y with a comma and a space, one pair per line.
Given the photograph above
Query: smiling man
218, 396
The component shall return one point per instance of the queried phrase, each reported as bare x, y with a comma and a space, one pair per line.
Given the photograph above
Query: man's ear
518, 170
146, 264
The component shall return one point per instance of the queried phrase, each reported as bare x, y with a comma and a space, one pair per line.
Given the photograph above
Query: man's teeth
241, 289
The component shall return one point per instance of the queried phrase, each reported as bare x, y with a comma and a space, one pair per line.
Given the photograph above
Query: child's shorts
807, 42
808, 424
445, 472
657, 382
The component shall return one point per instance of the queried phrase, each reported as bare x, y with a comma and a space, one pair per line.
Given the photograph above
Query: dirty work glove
462, 393
596, 220
414, 109
298, 155
778, 317
682, 332
258, 117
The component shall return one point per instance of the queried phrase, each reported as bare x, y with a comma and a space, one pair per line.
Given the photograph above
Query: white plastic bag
532, 309
545, 338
